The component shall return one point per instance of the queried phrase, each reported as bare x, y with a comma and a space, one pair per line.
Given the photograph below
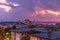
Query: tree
14, 27
1, 34
51, 27
58, 28
32, 31
40, 25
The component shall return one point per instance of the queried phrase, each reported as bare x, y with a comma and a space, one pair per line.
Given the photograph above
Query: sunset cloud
33, 9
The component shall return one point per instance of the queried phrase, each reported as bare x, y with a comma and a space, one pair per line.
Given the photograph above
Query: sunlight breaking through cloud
6, 8
54, 12
46, 11
15, 4
43, 12
3, 1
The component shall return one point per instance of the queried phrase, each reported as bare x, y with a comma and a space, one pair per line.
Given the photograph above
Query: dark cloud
27, 7
31, 4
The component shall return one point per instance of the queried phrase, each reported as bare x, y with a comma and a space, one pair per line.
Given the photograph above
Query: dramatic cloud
41, 10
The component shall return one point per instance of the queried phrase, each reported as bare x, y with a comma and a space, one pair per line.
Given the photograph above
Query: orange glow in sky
53, 12
40, 12
43, 12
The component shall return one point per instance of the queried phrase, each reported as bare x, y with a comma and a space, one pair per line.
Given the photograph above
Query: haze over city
39, 10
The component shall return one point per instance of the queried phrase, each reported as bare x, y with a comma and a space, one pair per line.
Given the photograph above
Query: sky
39, 10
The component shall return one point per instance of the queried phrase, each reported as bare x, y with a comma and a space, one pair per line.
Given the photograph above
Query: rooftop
54, 35
21, 30
44, 35
41, 29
